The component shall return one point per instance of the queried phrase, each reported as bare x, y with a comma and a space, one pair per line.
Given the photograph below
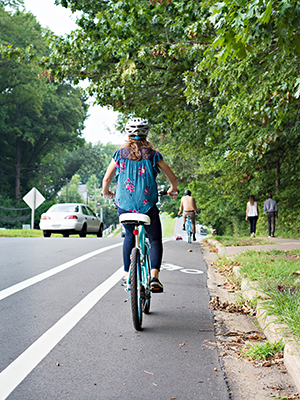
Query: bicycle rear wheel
189, 236
137, 290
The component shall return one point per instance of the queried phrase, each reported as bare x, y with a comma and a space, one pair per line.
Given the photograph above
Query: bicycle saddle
135, 218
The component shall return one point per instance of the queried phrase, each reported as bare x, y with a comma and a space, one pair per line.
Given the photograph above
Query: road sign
34, 199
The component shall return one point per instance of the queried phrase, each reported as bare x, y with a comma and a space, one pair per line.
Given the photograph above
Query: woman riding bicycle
188, 207
136, 166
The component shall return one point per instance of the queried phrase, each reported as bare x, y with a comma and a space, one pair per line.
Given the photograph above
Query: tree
130, 53
69, 193
211, 79
38, 116
11, 3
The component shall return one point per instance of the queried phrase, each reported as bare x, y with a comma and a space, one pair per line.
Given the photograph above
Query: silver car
69, 219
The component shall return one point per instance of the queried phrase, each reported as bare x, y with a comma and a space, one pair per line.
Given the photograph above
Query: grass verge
264, 350
240, 241
21, 233
30, 233
168, 225
277, 276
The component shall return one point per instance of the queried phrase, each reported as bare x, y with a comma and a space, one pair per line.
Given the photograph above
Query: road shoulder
246, 380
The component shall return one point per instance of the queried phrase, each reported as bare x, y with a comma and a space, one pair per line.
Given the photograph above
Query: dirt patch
290, 257
242, 307
249, 379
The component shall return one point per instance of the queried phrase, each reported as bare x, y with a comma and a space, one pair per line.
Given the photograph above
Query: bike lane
174, 357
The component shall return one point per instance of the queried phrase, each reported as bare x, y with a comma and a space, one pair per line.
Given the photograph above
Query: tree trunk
18, 159
277, 174
18, 167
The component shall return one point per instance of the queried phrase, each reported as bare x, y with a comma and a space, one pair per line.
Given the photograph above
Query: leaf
265, 18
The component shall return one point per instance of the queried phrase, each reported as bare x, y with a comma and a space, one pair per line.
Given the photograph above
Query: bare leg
154, 273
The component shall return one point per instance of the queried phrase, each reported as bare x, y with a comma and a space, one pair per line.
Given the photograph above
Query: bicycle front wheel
136, 290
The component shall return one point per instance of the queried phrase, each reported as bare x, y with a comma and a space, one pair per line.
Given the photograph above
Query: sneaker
269, 237
156, 286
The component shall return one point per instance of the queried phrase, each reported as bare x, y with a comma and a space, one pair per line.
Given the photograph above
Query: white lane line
38, 278
17, 371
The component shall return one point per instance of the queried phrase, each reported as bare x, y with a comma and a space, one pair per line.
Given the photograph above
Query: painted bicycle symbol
172, 267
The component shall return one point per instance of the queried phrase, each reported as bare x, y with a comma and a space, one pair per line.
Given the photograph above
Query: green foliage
11, 3
13, 214
22, 233
69, 193
110, 215
263, 350
39, 120
218, 82
168, 225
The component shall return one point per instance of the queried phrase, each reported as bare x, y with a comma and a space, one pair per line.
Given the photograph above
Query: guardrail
110, 229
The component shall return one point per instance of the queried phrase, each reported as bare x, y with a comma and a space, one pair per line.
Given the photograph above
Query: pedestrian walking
270, 207
252, 214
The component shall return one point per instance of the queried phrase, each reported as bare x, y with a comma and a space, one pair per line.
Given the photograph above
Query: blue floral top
136, 185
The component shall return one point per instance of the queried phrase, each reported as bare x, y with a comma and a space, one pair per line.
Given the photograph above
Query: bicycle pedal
156, 290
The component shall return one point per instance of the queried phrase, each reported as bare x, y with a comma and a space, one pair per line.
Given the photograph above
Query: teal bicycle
140, 269
138, 282
189, 228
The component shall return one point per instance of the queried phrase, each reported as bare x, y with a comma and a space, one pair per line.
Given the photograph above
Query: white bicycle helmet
137, 128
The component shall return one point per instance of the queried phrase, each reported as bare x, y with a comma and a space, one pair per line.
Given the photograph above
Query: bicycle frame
189, 228
143, 246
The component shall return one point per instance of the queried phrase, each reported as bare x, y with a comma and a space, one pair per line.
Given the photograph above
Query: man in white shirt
270, 207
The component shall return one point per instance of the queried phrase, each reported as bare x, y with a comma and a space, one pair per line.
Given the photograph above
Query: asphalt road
66, 330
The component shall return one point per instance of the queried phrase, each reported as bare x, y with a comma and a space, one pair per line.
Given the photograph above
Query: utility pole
95, 199
67, 188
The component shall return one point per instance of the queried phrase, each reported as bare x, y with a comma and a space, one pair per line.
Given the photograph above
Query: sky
100, 124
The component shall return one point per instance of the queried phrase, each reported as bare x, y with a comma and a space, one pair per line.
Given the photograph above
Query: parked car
70, 219
122, 231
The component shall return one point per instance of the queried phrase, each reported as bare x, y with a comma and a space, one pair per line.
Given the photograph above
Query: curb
273, 330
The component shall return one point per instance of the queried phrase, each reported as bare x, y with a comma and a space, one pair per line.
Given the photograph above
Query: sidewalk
275, 244
271, 328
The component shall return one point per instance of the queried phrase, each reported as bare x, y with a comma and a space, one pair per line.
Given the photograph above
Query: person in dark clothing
270, 207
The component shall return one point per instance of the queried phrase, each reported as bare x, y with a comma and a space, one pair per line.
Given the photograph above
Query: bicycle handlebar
164, 192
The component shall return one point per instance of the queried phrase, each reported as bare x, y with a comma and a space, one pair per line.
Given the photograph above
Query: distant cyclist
136, 165
188, 207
